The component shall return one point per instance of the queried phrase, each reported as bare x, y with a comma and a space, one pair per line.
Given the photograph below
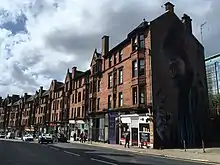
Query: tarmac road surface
23, 153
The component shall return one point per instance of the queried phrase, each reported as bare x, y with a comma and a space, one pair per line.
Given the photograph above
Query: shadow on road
108, 156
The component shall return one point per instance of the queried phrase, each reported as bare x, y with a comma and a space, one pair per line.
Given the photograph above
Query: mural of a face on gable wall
185, 80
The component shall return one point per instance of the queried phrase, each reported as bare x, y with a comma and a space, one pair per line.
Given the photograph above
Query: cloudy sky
40, 39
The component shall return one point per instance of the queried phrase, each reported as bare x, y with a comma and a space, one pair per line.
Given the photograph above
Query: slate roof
45, 93
30, 98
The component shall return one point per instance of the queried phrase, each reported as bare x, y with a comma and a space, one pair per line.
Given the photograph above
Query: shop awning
76, 121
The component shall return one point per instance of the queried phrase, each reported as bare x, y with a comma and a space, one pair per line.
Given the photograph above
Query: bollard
184, 145
203, 146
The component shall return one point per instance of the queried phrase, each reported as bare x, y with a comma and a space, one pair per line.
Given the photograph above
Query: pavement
15, 152
211, 155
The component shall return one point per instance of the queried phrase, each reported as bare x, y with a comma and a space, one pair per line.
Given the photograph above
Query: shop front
76, 127
112, 127
137, 125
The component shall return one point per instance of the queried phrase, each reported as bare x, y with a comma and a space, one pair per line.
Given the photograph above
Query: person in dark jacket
74, 136
81, 137
127, 140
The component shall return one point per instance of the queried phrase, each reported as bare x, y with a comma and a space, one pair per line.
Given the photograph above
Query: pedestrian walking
81, 137
127, 140
74, 136
85, 137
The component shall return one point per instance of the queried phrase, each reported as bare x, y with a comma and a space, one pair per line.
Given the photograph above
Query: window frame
110, 61
110, 77
109, 101
141, 41
141, 67
134, 95
142, 96
134, 68
120, 99
120, 55
120, 76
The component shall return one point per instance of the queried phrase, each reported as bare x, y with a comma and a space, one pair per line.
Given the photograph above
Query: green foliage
214, 101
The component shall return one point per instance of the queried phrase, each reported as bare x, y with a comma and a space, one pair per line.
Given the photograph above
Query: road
20, 153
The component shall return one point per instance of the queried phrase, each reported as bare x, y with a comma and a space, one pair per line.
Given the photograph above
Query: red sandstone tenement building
78, 82
56, 102
27, 112
149, 84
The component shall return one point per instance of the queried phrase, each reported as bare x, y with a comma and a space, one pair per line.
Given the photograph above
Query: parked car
28, 137
2, 135
45, 138
62, 138
10, 135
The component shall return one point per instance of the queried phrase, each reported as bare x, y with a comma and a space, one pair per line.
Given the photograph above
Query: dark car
62, 138
45, 138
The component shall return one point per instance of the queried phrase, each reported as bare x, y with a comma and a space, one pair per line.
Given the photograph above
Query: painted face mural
163, 118
182, 75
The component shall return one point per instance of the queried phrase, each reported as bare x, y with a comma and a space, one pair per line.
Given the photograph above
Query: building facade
152, 83
78, 102
159, 68
27, 112
41, 114
2, 114
56, 97
213, 74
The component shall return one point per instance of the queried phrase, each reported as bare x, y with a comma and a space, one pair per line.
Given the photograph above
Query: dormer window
141, 41
115, 58
120, 58
99, 66
110, 61
134, 43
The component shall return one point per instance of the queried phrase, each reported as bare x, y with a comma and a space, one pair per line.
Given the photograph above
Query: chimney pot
169, 7
74, 71
187, 21
105, 45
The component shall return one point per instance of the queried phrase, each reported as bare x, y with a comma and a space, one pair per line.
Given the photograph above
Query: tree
214, 103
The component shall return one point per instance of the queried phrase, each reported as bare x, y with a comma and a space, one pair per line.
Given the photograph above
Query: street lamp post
201, 30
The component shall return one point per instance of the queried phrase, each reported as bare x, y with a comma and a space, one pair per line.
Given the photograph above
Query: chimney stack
74, 71
25, 97
187, 21
105, 45
41, 90
169, 7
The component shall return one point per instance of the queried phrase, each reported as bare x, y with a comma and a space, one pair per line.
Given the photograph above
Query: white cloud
64, 33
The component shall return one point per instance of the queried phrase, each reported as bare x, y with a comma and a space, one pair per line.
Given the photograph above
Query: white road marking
71, 153
57, 149
102, 161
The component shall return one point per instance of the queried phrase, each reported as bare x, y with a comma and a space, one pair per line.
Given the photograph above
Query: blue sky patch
15, 26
